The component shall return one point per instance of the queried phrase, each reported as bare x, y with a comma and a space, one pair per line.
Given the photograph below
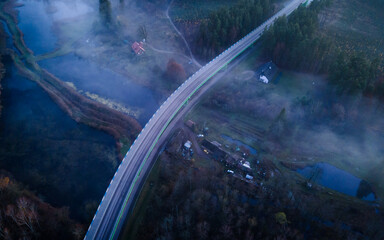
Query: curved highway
129, 177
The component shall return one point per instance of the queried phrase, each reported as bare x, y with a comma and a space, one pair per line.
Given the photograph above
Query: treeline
353, 74
297, 43
294, 43
228, 25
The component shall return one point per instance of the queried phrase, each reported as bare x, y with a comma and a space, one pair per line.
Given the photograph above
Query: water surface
36, 24
332, 177
88, 76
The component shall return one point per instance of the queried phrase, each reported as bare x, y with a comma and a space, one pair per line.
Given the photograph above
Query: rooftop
138, 48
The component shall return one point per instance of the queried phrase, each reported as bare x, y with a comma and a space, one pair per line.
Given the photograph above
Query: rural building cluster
237, 161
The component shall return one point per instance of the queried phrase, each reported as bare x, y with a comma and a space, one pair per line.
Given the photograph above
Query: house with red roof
138, 48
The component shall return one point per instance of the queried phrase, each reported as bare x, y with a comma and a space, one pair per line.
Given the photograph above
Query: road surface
129, 177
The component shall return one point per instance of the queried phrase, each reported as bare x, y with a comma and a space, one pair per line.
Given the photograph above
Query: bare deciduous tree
24, 215
27, 214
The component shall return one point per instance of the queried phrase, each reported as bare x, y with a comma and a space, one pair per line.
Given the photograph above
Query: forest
298, 43
229, 24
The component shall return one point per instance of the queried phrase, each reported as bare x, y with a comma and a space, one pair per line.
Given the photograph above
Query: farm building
138, 48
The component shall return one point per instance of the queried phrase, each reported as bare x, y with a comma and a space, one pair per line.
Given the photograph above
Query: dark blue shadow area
66, 163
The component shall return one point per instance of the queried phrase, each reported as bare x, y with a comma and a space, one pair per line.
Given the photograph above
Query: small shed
187, 145
216, 144
249, 177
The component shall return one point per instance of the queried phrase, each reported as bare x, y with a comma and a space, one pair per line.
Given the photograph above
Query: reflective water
36, 24
332, 177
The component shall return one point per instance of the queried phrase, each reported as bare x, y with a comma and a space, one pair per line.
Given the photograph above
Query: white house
247, 165
263, 79
187, 145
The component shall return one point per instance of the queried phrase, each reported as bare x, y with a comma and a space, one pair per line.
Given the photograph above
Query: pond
240, 144
334, 178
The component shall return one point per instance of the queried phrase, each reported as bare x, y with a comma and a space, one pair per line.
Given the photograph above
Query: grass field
356, 24
196, 10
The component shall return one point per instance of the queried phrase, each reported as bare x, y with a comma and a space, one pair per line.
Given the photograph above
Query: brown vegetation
175, 72
89, 112
25, 216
